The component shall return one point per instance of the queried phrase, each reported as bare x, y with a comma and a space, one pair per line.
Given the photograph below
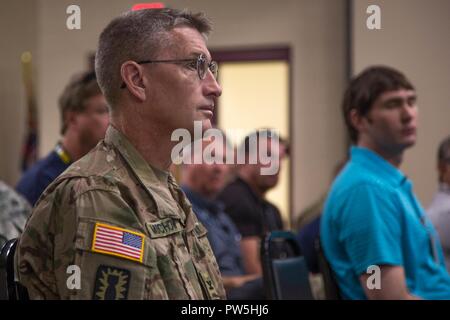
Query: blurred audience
14, 211
439, 210
201, 183
244, 198
309, 233
84, 119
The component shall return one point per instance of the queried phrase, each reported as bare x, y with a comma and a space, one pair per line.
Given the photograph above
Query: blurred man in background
439, 210
14, 211
202, 183
84, 119
244, 198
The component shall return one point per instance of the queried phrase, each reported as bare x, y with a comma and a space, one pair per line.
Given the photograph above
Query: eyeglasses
200, 63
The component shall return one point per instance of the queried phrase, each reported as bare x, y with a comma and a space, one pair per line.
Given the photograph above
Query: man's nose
408, 112
211, 86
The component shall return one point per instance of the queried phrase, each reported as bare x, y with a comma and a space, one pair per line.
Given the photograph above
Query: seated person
439, 210
306, 238
84, 119
244, 198
201, 183
14, 211
374, 232
309, 232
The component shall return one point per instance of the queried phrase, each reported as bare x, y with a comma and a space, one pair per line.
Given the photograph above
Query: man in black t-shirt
244, 199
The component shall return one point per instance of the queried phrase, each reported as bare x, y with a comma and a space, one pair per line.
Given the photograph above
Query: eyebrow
398, 99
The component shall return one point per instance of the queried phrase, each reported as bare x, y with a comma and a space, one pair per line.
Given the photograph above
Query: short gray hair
443, 155
138, 35
444, 150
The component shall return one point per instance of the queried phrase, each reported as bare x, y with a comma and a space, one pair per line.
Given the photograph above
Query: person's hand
237, 281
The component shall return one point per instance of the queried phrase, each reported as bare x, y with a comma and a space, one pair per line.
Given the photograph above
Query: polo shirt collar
374, 162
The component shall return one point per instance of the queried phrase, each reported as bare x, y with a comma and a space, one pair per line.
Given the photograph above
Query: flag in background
30, 146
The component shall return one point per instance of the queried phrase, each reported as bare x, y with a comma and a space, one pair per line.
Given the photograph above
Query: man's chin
206, 124
409, 142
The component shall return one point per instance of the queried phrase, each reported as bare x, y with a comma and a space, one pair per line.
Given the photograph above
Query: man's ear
71, 119
358, 122
132, 75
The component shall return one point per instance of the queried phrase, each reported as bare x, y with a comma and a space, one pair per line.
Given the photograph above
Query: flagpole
29, 151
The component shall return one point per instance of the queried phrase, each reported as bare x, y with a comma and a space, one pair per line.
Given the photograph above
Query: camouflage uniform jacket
128, 227
14, 211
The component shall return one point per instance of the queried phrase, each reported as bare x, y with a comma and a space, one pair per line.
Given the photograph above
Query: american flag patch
118, 242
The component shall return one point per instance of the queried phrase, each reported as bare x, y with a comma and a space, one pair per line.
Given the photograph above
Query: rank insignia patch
118, 242
111, 283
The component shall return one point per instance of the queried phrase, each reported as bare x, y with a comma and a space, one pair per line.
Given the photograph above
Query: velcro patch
199, 230
111, 283
118, 242
208, 285
164, 227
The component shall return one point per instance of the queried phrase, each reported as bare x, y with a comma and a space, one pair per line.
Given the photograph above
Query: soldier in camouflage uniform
117, 213
14, 211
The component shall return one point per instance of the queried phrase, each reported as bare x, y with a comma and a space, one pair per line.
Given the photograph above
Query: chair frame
10, 288
272, 291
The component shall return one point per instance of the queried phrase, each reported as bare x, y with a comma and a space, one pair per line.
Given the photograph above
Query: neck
155, 147
205, 195
246, 176
391, 155
72, 145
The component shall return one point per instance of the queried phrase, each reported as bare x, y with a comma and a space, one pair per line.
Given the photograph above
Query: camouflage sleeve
58, 257
14, 211
35, 254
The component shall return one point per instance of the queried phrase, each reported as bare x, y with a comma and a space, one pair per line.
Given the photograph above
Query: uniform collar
156, 181
146, 172
375, 163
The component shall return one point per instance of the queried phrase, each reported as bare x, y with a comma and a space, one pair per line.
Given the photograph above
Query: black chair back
285, 273
10, 289
329, 281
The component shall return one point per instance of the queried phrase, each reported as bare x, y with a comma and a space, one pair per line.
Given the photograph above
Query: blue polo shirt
34, 181
371, 217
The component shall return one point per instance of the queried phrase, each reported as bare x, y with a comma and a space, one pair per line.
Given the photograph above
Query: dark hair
138, 35
365, 88
80, 88
263, 133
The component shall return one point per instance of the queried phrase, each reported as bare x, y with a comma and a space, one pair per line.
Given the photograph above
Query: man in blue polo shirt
374, 231
84, 119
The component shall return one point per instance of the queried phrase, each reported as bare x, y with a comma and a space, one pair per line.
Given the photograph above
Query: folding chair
285, 273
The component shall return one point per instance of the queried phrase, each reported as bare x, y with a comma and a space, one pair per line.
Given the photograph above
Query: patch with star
111, 283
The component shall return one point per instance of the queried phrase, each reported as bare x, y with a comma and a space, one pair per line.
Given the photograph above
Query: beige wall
313, 29
415, 39
18, 34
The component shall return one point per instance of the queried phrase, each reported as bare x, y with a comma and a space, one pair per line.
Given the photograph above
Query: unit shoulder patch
111, 283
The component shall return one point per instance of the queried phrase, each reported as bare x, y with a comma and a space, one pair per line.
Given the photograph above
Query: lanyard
62, 154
